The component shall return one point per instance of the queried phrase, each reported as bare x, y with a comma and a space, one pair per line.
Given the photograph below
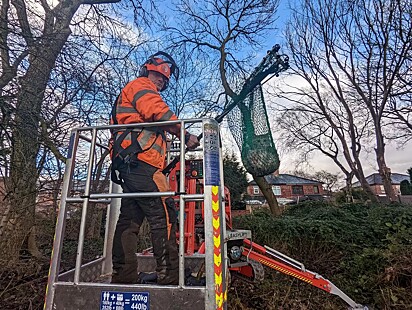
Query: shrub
406, 188
365, 250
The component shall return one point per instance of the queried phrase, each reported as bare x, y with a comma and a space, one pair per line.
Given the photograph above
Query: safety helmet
165, 65
158, 65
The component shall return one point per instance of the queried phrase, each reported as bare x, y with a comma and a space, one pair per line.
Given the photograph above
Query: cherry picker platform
86, 287
208, 244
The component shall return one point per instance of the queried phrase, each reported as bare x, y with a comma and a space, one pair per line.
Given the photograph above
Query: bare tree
399, 118
328, 179
362, 46
399, 110
320, 123
226, 33
36, 98
193, 95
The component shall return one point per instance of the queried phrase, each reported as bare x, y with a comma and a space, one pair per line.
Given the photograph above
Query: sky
398, 159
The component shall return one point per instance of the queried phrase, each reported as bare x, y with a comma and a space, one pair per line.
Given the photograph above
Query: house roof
376, 179
283, 179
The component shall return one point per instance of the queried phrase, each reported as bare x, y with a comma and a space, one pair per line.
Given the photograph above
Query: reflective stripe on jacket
140, 102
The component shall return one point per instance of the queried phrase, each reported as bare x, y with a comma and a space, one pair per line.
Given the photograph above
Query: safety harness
128, 155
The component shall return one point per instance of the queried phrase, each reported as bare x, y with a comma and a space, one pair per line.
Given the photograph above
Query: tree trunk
32, 244
385, 173
23, 171
365, 185
26, 143
348, 191
266, 189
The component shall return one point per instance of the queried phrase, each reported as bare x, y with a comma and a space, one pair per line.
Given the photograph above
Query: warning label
211, 149
124, 301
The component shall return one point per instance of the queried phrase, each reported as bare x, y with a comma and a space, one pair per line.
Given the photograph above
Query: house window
256, 190
297, 189
276, 190
382, 189
315, 189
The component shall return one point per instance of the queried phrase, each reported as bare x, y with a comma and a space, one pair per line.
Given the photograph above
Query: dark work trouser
161, 216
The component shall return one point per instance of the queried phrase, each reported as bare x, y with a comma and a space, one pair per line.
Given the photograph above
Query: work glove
191, 141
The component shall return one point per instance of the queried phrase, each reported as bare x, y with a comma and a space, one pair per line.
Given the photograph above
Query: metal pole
121, 195
84, 209
112, 215
61, 222
212, 217
225, 258
182, 207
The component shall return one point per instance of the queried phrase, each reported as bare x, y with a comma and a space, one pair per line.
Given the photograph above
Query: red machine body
194, 214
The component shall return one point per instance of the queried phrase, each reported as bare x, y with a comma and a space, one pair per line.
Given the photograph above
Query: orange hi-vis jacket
140, 102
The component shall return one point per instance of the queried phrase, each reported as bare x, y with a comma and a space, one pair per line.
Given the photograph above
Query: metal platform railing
82, 288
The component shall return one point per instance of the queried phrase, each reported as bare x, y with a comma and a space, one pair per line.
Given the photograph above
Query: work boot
191, 280
170, 277
148, 278
126, 274
195, 281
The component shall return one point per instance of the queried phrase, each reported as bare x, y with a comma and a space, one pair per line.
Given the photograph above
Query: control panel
195, 169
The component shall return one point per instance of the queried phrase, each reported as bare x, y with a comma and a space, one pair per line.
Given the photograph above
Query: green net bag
249, 125
248, 119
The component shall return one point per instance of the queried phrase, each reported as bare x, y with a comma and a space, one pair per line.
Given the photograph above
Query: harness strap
129, 154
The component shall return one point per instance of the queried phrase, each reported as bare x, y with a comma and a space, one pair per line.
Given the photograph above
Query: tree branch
4, 49
20, 6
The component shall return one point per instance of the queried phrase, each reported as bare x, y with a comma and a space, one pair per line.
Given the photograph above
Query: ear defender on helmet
143, 71
165, 66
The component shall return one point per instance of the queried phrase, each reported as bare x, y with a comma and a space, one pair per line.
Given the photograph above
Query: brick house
375, 181
287, 188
